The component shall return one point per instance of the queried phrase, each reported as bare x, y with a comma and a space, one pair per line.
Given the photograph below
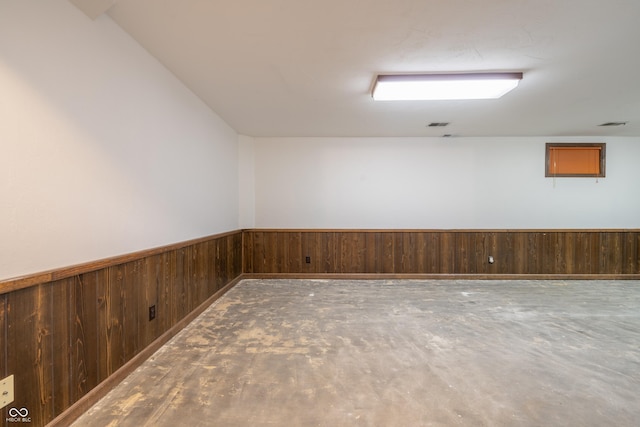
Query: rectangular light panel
429, 87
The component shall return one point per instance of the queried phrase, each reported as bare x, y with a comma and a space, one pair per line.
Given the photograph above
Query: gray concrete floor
395, 353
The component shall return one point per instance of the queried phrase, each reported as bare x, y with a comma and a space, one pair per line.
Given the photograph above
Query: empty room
319, 213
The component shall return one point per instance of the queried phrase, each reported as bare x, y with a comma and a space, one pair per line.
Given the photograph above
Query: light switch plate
6, 391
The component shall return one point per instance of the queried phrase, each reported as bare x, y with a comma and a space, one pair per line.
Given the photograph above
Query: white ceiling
306, 67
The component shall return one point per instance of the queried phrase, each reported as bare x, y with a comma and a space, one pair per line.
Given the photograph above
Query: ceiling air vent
613, 124
438, 124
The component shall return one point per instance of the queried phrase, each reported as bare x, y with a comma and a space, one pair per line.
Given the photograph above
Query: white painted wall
103, 151
246, 181
438, 183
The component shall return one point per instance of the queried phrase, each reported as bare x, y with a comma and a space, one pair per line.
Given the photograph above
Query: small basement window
575, 160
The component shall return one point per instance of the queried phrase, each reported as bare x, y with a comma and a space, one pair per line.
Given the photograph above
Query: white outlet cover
6, 391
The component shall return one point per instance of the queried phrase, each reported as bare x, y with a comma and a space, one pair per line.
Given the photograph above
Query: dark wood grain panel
64, 372
311, 247
199, 273
235, 241
136, 311
631, 253
166, 290
100, 280
447, 253
248, 251
112, 324
223, 266
461, 253
84, 332
329, 249
270, 252
180, 285
3, 350
352, 253
408, 253
66, 336
293, 244
610, 253
386, 262
524, 252
29, 350
210, 267
152, 286
432, 255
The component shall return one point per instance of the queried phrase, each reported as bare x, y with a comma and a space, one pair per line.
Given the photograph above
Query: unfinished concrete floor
395, 353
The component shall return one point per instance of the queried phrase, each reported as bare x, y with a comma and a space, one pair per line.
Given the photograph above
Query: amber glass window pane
575, 160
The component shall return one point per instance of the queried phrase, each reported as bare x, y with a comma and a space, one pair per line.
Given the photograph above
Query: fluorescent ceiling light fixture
430, 87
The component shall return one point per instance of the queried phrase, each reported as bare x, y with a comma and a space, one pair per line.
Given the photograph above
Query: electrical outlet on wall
6, 391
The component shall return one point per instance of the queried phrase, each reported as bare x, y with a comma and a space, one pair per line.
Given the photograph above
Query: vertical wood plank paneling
259, 255
211, 274
329, 252
560, 249
501, 247
230, 243
222, 261
318, 260
294, 252
519, 244
3, 335
179, 286
201, 272
270, 252
575, 256
372, 252
420, 252
432, 256
397, 239
85, 334
236, 244
166, 300
62, 338
152, 285
281, 253
29, 352
219, 263
632, 253
549, 252
387, 260
447, 254
103, 331
609, 246
133, 311
112, 324
62, 322
359, 252
408, 258
3, 350
462, 249
247, 251
342, 254
306, 250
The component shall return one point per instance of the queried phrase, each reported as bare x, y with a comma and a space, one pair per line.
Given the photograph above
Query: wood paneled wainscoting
577, 254
68, 335
64, 332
